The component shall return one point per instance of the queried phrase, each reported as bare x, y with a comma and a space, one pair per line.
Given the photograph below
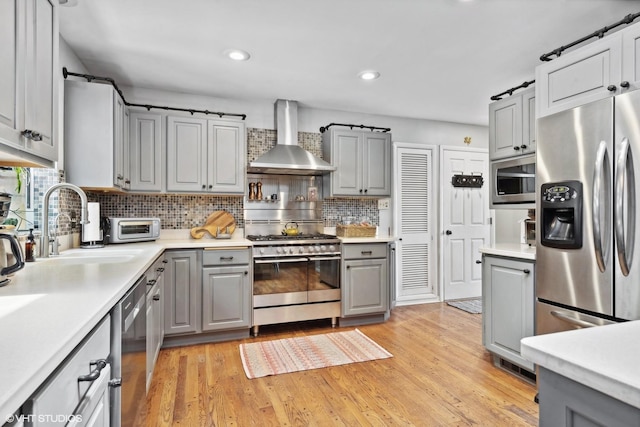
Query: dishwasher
129, 358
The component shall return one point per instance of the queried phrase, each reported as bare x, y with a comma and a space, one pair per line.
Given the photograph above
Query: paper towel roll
91, 232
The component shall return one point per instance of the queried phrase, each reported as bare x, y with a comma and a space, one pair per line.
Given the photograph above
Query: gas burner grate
280, 237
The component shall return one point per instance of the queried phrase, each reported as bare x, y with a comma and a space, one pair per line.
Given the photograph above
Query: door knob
448, 233
478, 261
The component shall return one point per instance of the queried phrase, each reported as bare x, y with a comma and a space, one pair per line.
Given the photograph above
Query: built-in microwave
513, 182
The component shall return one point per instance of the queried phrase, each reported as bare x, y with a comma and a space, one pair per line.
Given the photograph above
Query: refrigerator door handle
601, 165
568, 319
625, 179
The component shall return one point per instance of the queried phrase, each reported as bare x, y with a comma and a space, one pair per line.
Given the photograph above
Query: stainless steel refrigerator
587, 265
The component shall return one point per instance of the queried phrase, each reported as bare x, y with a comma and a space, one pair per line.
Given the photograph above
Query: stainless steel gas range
296, 268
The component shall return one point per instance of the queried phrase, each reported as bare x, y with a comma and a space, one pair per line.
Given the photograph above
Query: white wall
507, 223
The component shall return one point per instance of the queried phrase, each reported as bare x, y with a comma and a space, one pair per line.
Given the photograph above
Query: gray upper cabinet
28, 84
508, 300
145, 151
362, 160
512, 130
604, 68
96, 136
205, 155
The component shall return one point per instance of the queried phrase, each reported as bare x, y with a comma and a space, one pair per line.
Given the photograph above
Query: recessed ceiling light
237, 54
369, 75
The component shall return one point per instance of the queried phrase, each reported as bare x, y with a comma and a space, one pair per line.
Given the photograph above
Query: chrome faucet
84, 213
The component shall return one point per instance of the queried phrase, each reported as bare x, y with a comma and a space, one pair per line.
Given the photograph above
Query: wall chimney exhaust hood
287, 157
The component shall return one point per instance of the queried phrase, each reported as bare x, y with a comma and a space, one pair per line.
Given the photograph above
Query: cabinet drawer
368, 250
62, 392
225, 256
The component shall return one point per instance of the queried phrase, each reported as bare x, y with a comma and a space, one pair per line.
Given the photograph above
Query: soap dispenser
30, 247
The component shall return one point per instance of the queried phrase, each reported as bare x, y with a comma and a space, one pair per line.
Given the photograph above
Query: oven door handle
277, 260
330, 258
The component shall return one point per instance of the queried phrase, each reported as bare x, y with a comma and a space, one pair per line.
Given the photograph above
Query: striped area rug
473, 306
282, 356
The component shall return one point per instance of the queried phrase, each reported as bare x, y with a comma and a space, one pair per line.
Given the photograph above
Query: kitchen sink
93, 256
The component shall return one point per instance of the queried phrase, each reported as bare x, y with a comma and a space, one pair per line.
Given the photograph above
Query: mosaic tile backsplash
178, 211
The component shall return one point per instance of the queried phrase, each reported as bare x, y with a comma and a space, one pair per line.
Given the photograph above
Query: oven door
513, 182
280, 281
300, 280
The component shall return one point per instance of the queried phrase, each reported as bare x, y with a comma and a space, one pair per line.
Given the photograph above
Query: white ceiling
438, 59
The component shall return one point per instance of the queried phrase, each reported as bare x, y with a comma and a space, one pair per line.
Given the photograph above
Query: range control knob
311, 248
279, 250
290, 250
323, 248
332, 248
316, 248
261, 250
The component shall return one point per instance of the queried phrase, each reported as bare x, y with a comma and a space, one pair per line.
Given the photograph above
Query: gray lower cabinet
566, 403
181, 292
226, 290
155, 314
68, 391
508, 298
365, 285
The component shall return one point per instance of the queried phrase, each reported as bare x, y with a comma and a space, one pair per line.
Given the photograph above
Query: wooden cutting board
218, 219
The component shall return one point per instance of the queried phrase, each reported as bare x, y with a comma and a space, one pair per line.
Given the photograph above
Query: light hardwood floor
440, 375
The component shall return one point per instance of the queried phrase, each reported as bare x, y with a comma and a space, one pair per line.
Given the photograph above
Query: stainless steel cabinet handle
625, 180
366, 252
95, 373
569, 319
601, 165
226, 258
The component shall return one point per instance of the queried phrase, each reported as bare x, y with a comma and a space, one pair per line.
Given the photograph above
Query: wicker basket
355, 230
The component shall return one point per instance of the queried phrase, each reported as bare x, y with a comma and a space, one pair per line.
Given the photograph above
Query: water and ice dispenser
561, 216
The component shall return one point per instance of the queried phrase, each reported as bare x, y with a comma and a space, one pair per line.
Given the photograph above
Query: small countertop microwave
125, 230
513, 182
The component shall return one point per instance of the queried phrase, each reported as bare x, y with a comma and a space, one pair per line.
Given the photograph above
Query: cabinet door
94, 410
181, 292
226, 298
365, 287
505, 127
528, 122
12, 67
145, 151
508, 300
186, 154
631, 57
579, 77
227, 157
118, 141
41, 82
376, 165
347, 158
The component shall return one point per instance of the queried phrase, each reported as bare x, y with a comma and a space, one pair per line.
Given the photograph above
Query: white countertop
604, 358
52, 304
511, 250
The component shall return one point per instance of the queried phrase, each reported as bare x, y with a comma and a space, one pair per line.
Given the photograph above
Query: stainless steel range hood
287, 157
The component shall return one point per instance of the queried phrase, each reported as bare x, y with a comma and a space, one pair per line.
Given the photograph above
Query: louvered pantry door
414, 213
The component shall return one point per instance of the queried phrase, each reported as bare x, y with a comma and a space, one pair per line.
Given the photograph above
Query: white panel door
465, 223
415, 267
